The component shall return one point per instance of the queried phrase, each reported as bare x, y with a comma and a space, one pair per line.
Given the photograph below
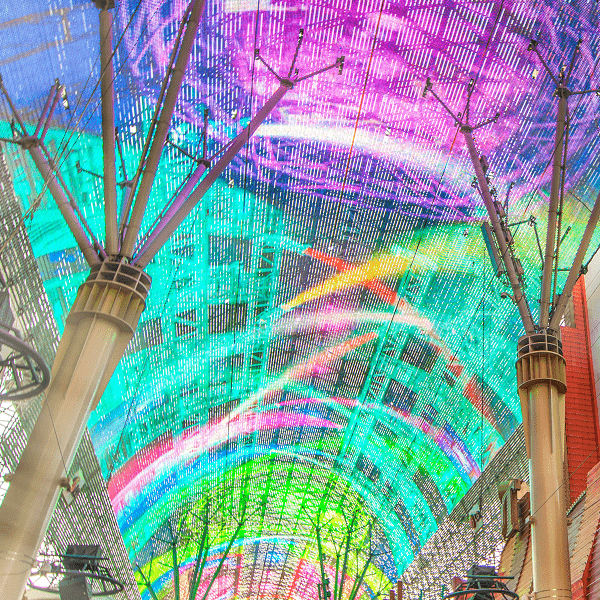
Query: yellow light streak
385, 265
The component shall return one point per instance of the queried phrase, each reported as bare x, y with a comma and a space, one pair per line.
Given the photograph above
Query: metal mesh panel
456, 546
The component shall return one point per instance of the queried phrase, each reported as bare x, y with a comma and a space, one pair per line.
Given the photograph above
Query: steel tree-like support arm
500, 231
555, 187
232, 540
147, 584
52, 178
187, 199
108, 131
101, 322
201, 558
64, 206
162, 129
575, 270
518, 294
541, 367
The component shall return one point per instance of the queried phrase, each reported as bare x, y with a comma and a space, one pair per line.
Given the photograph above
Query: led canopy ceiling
325, 363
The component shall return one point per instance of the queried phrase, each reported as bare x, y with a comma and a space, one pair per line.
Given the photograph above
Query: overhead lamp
492, 249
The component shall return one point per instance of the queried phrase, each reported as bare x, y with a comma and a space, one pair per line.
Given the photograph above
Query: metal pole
72, 202
337, 576
358, 582
324, 587
53, 93
182, 195
195, 580
177, 212
128, 200
574, 272
50, 114
346, 553
108, 131
518, 295
63, 204
148, 585
97, 331
175, 570
545, 300
541, 378
162, 128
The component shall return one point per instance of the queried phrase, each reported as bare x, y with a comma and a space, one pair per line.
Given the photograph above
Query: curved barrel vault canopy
324, 333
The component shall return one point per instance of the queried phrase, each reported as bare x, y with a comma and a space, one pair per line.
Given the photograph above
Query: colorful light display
325, 329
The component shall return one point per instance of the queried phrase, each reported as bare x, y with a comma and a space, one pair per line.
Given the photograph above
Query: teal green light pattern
224, 389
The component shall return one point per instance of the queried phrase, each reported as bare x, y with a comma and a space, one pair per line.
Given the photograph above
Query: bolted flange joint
114, 290
540, 359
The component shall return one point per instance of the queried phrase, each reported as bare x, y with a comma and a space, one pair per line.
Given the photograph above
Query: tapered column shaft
97, 331
541, 376
551, 573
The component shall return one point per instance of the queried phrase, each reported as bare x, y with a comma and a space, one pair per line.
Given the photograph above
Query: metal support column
200, 562
63, 204
324, 580
541, 378
540, 365
359, 581
345, 563
99, 327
